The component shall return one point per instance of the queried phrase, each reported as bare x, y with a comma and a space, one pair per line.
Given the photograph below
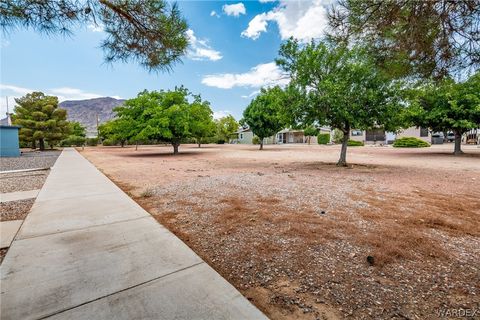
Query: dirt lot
396, 235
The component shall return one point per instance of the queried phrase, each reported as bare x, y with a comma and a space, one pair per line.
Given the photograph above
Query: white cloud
221, 114
303, 20
95, 27
4, 43
64, 93
234, 9
15, 89
267, 74
214, 14
200, 50
254, 93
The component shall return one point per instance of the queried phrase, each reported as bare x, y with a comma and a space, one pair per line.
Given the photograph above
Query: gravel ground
30, 160
22, 181
395, 236
15, 210
3, 252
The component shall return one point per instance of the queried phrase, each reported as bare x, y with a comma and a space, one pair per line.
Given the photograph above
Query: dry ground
293, 232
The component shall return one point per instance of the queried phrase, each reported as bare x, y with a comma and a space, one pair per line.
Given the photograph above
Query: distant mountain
86, 111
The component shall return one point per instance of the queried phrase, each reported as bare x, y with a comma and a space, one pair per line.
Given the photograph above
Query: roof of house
241, 130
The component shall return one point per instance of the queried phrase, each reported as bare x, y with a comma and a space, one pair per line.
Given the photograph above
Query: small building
290, 136
244, 136
417, 132
9, 142
380, 136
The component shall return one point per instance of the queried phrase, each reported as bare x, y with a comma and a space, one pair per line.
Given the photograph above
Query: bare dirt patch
293, 232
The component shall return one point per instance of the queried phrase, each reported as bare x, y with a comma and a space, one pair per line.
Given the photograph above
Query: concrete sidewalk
88, 251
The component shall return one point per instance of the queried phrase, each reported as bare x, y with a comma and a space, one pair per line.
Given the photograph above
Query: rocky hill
86, 111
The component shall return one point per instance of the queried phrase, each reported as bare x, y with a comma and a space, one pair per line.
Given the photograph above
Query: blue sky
233, 46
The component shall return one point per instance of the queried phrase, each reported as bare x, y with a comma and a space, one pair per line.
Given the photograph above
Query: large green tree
40, 119
163, 115
202, 124
426, 39
150, 32
264, 114
77, 129
226, 127
340, 87
118, 130
447, 106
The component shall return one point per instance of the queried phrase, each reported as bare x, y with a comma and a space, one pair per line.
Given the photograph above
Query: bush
92, 142
354, 143
323, 138
76, 141
337, 136
255, 140
410, 142
109, 142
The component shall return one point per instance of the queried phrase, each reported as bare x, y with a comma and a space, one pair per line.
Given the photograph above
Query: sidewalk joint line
122, 290
81, 229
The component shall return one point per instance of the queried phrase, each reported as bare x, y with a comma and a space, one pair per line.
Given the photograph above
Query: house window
241, 136
423, 132
377, 134
357, 133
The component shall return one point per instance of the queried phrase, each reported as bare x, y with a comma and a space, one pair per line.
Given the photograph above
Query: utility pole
9, 120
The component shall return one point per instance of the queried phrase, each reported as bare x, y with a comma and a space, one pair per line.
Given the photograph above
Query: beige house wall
245, 137
414, 132
356, 137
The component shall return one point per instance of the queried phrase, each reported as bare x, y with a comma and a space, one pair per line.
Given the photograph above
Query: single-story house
380, 136
244, 136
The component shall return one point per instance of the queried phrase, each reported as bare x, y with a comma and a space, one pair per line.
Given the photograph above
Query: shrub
323, 138
220, 141
76, 141
354, 143
337, 136
255, 140
109, 142
410, 142
92, 142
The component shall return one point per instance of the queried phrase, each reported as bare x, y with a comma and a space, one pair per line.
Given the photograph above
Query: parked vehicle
450, 137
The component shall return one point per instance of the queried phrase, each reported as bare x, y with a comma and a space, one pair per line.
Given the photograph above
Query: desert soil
395, 235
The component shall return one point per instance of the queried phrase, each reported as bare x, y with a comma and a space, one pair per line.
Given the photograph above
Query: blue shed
9, 143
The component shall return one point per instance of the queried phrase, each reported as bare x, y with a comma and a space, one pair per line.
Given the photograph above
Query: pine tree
40, 120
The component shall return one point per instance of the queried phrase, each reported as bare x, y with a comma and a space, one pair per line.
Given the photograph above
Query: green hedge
76, 141
323, 138
354, 143
109, 142
255, 140
410, 142
92, 142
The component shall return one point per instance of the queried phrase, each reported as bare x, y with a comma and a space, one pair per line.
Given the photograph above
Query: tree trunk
136, 145
175, 147
122, 143
42, 145
34, 144
309, 137
261, 144
199, 142
458, 143
342, 162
